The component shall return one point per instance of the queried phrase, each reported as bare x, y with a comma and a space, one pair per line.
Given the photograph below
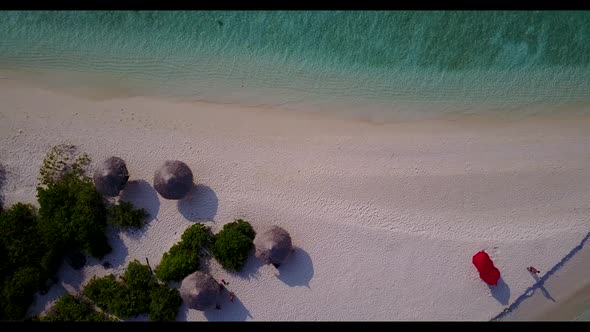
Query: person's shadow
199, 205
543, 289
297, 269
501, 291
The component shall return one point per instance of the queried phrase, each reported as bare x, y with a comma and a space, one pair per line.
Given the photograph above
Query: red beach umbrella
487, 271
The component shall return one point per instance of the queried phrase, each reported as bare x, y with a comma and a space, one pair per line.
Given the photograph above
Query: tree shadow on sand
501, 292
297, 269
116, 258
250, 269
2, 184
199, 205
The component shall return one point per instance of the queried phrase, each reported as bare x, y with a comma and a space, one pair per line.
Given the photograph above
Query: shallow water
428, 62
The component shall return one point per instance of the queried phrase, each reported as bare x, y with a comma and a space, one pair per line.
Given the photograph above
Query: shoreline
371, 207
104, 88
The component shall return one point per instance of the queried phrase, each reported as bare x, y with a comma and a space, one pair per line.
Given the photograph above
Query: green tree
233, 244
72, 213
125, 216
183, 258
18, 291
164, 303
72, 308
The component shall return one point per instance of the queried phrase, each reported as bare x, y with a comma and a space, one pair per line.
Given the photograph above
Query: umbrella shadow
143, 196
230, 310
297, 269
542, 288
501, 291
199, 205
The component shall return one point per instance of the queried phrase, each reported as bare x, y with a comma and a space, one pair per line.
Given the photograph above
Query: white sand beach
385, 217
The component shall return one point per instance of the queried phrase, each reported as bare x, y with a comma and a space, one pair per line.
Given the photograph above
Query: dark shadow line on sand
540, 283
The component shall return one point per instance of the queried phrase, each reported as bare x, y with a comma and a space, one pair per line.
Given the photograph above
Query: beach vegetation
183, 258
164, 303
72, 215
137, 292
233, 243
125, 216
61, 160
74, 308
26, 260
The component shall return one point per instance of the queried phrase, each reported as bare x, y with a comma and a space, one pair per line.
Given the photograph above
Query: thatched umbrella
273, 246
110, 176
173, 180
199, 291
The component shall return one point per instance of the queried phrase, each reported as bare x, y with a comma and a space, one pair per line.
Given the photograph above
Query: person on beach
533, 270
225, 283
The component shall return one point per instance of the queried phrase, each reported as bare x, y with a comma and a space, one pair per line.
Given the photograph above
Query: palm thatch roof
110, 176
200, 291
273, 246
173, 180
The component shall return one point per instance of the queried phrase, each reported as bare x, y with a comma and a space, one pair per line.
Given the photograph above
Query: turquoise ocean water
352, 61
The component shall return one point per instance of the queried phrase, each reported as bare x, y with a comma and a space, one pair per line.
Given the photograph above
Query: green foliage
21, 239
60, 161
18, 291
164, 303
177, 264
196, 237
138, 293
110, 295
24, 254
183, 258
72, 308
233, 244
125, 216
73, 215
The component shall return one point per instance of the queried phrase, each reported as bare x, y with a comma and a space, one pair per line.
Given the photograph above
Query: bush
233, 244
183, 258
72, 308
196, 237
62, 160
177, 264
18, 291
108, 294
125, 216
21, 239
24, 254
138, 293
72, 213
164, 303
